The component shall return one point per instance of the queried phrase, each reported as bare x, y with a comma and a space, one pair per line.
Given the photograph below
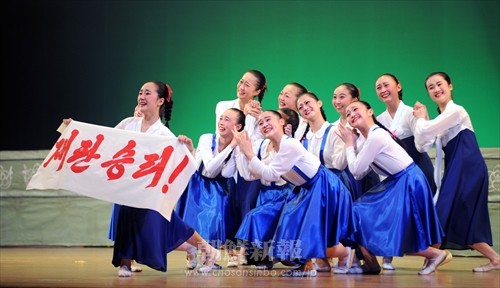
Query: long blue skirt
314, 218
113, 222
242, 201
397, 216
359, 187
204, 205
260, 223
462, 204
422, 160
146, 236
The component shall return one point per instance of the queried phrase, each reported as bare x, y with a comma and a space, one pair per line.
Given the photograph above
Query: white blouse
380, 153
214, 161
403, 124
359, 142
333, 151
250, 122
265, 156
301, 129
445, 126
291, 154
135, 123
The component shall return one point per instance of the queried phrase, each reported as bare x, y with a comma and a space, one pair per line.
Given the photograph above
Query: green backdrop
88, 59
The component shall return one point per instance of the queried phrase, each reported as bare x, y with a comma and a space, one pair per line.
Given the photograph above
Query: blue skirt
205, 207
242, 201
314, 218
359, 187
260, 223
422, 160
345, 178
113, 222
462, 204
397, 216
146, 236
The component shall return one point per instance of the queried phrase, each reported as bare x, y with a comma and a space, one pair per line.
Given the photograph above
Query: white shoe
124, 271
355, 269
387, 263
388, 266
343, 270
342, 267
210, 264
232, 262
433, 263
242, 260
191, 264
486, 268
135, 268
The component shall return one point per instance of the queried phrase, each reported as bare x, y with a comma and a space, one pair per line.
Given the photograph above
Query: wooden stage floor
91, 267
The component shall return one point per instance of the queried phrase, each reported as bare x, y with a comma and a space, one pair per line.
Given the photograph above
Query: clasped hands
420, 111
252, 108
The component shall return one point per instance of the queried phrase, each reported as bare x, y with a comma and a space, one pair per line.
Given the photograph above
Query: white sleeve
213, 164
339, 160
426, 131
423, 143
229, 167
252, 128
288, 155
242, 162
359, 164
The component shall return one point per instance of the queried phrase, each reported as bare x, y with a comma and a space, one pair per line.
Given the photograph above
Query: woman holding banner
144, 234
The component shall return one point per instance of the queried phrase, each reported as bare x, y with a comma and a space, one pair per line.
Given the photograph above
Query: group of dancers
288, 186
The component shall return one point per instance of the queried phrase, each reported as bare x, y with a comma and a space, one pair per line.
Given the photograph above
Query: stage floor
91, 267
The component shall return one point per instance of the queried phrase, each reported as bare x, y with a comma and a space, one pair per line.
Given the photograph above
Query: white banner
124, 167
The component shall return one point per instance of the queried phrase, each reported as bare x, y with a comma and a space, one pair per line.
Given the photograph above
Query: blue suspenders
305, 143
375, 164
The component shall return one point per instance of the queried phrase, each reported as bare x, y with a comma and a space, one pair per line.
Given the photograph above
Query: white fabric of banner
124, 167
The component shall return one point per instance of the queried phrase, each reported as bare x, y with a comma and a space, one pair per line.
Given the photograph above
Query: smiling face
439, 89
271, 125
148, 99
342, 97
309, 107
246, 88
387, 89
227, 121
288, 97
359, 115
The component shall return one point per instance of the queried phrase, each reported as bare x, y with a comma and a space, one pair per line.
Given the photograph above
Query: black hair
301, 88
291, 117
353, 90
165, 92
262, 83
394, 137
240, 118
320, 109
400, 93
442, 74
